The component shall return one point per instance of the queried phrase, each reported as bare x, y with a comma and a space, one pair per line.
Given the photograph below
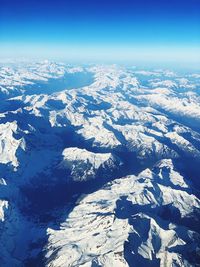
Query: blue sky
94, 30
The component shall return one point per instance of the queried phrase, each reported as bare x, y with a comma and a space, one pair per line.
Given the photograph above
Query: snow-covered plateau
99, 166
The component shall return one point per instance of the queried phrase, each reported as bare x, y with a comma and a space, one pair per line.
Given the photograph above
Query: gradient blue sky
160, 30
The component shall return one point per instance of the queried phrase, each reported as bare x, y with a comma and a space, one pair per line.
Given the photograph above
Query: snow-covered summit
84, 165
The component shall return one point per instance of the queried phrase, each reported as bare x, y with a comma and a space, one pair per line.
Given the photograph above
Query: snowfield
99, 166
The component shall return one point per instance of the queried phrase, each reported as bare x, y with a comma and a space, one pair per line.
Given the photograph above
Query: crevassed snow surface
99, 166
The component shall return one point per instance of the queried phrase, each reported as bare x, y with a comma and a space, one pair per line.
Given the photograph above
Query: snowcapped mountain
9, 143
99, 166
131, 213
84, 165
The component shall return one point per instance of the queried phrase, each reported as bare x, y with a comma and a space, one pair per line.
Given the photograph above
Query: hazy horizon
127, 31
